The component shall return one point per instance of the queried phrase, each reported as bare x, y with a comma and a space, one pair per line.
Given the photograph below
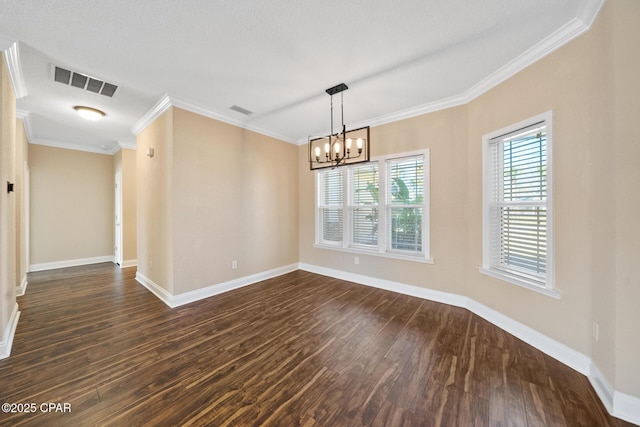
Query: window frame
383, 248
514, 275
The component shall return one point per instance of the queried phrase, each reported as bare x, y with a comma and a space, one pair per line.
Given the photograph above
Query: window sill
413, 258
527, 284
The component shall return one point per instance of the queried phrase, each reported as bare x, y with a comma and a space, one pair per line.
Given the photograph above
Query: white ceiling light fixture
89, 113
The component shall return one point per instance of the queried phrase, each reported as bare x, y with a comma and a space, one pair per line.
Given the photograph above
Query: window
380, 207
517, 210
330, 193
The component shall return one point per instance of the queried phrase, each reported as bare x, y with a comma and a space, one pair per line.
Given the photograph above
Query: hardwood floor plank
297, 350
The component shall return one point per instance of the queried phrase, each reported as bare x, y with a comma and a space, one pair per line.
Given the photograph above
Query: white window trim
382, 249
548, 287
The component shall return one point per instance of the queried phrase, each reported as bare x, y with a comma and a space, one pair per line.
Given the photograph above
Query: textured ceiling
274, 58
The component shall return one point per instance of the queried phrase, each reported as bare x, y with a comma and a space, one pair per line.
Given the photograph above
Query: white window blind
365, 189
405, 207
379, 208
518, 208
330, 205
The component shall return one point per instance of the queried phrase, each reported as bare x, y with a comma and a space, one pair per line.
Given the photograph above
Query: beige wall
235, 198
213, 193
626, 30
71, 203
124, 162
595, 195
444, 133
7, 200
154, 201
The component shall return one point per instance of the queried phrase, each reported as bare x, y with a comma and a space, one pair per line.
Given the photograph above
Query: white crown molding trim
160, 107
203, 111
9, 333
22, 289
70, 263
557, 39
127, 145
129, 263
172, 101
69, 146
28, 129
22, 114
12, 57
618, 404
199, 294
590, 11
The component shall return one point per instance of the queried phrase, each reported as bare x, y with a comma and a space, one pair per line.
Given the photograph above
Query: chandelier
340, 148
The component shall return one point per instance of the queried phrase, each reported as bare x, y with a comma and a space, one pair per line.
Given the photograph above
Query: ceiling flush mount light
89, 113
340, 148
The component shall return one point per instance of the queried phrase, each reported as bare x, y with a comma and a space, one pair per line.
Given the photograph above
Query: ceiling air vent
241, 110
82, 81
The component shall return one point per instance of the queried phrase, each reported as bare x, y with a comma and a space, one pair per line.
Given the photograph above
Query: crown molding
70, 146
557, 39
590, 11
21, 114
160, 107
127, 145
12, 57
173, 101
26, 123
203, 111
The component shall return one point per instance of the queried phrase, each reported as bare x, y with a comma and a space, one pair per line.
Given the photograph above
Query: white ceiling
275, 58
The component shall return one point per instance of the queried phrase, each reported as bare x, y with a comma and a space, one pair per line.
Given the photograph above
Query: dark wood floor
300, 349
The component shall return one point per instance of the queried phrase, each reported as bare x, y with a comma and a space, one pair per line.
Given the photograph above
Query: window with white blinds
517, 208
365, 184
330, 200
379, 207
405, 207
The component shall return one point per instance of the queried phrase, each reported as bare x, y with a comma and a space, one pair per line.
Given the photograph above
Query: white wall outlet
234, 264
596, 331
356, 260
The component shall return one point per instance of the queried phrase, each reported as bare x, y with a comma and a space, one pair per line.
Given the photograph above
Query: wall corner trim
22, 288
618, 404
7, 335
219, 288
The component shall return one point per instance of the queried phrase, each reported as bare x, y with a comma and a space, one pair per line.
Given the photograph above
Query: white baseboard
162, 294
626, 407
70, 263
618, 404
129, 263
20, 290
9, 333
198, 294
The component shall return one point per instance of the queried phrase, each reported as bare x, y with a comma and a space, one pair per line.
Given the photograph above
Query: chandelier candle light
340, 148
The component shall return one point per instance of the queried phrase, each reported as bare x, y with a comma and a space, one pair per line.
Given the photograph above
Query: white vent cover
81, 81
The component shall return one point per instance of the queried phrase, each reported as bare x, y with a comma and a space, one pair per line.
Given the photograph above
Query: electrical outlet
234, 264
356, 260
596, 331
